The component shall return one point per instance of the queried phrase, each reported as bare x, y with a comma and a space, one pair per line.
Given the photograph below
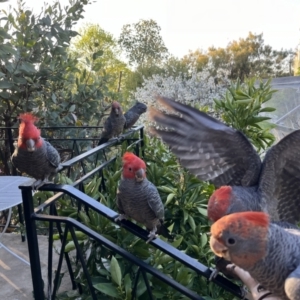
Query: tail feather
102, 141
164, 231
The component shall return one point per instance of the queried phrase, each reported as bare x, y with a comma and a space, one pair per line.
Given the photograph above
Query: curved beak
140, 175
218, 248
117, 111
30, 144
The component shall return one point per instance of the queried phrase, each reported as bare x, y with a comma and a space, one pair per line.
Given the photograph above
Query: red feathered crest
129, 157
28, 118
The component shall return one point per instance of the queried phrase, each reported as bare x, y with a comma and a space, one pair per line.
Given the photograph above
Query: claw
213, 274
121, 217
38, 183
152, 235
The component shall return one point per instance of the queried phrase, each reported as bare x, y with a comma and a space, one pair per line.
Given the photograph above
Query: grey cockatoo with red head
33, 155
270, 253
117, 122
224, 156
133, 114
138, 198
114, 124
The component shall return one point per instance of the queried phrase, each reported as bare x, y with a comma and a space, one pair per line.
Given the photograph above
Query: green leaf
177, 242
185, 216
97, 54
4, 84
267, 109
27, 67
202, 211
170, 198
107, 289
71, 246
240, 102
3, 32
72, 108
115, 271
127, 285
203, 239
192, 222
254, 120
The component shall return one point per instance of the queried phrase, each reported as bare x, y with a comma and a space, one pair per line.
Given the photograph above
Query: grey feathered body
223, 155
281, 259
141, 202
133, 114
113, 125
41, 163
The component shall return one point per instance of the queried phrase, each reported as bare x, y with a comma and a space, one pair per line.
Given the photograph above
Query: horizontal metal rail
132, 258
141, 233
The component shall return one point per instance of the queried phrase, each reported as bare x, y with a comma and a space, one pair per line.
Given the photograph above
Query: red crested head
219, 203
241, 223
133, 167
241, 238
116, 108
29, 134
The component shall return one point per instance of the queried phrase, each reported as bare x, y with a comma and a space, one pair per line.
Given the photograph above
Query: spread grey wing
280, 178
207, 147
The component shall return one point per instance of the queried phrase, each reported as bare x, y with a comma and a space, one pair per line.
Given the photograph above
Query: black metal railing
32, 215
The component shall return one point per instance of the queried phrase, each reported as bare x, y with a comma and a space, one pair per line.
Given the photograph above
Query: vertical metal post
21, 220
142, 142
32, 241
50, 252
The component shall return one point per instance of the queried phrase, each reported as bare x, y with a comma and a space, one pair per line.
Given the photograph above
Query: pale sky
191, 24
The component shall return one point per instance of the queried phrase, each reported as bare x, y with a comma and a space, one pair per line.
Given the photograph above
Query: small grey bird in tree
114, 124
33, 155
138, 198
133, 114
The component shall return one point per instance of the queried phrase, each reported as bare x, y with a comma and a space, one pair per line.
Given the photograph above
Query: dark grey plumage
41, 164
33, 155
114, 124
213, 151
281, 262
270, 253
138, 198
133, 114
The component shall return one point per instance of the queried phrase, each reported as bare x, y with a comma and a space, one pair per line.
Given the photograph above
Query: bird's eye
231, 241
130, 169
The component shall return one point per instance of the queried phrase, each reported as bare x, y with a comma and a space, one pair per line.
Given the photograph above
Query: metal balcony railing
66, 225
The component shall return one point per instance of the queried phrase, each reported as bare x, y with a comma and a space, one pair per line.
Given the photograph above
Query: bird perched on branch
270, 253
138, 198
224, 156
33, 155
133, 114
114, 124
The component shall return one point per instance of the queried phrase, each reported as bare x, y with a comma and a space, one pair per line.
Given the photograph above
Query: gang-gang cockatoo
114, 124
138, 198
132, 115
224, 156
270, 253
33, 155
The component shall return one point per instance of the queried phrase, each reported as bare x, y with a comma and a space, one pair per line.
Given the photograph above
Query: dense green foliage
242, 107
